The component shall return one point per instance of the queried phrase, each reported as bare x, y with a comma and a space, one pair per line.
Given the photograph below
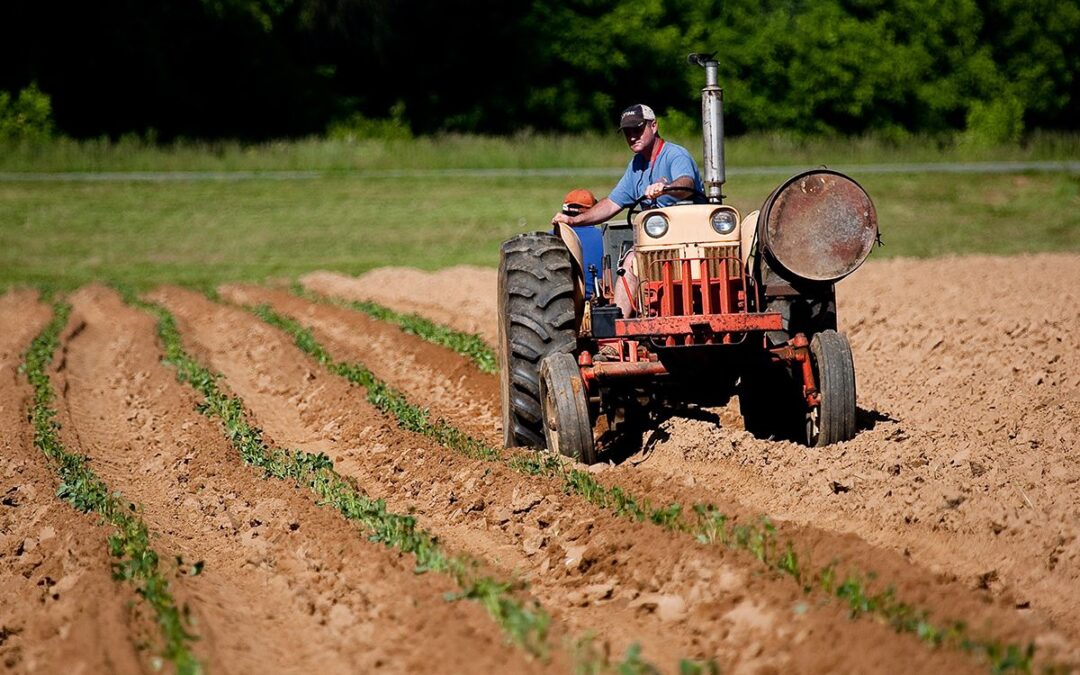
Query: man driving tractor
657, 165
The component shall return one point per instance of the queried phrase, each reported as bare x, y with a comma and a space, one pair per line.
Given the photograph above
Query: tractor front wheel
567, 426
833, 420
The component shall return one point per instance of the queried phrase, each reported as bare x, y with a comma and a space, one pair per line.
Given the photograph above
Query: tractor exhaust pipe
712, 126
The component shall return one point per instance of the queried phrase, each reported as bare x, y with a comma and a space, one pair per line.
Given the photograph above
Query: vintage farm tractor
725, 305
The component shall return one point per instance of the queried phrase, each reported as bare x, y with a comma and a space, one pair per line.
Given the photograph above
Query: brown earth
959, 490
625, 582
970, 405
287, 586
60, 610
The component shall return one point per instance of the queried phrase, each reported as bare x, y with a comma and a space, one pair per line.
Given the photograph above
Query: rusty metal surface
819, 225
686, 325
605, 370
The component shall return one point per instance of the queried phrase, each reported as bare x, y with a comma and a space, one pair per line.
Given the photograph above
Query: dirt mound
969, 398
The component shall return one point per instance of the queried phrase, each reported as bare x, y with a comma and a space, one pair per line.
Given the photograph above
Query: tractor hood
687, 225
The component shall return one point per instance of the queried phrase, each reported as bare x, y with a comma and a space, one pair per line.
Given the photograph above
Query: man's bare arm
656, 189
601, 211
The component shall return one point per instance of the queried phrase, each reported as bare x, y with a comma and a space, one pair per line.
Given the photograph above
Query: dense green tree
264, 68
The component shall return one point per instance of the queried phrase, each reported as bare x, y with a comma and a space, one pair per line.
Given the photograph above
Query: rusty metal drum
818, 225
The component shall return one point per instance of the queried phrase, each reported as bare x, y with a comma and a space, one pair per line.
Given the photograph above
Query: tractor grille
730, 253
650, 267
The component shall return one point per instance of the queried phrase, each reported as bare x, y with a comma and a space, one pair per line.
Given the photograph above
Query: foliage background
258, 69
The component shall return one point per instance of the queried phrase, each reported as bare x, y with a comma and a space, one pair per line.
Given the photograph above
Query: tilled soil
959, 490
286, 584
969, 411
60, 610
623, 581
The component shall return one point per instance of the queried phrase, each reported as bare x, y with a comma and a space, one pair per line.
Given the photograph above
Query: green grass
204, 233
534, 151
138, 563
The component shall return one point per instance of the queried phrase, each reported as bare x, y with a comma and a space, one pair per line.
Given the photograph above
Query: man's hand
656, 189
562, 218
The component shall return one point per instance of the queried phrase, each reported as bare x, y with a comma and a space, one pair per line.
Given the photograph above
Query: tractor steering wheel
633, 208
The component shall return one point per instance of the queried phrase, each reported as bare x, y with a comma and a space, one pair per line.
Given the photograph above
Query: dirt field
959, 491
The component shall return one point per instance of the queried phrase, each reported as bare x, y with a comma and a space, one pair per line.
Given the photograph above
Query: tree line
258, 69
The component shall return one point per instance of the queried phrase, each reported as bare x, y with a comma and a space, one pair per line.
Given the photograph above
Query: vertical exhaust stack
712, 127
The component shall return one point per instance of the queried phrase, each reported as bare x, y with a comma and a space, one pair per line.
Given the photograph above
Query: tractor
726, 305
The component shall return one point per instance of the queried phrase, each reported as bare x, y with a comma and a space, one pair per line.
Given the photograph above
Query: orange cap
578, 200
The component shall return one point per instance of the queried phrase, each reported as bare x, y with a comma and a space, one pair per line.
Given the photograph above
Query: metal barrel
819, 225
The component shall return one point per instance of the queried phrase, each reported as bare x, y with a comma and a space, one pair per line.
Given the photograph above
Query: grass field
525, 151
200, 232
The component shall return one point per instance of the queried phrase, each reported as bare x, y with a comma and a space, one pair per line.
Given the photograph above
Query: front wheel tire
567, 426
834, 419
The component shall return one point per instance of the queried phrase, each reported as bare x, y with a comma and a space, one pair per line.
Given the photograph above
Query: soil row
963, 464
59, 606
281, 584
627, 581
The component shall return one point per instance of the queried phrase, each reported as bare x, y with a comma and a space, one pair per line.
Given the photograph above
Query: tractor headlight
656, 225
723, 221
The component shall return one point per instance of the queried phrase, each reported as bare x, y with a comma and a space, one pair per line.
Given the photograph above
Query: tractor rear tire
536, 319
834, 420
568, 429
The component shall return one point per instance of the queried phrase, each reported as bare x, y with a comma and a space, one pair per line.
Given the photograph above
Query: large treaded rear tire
834, 420
536, 318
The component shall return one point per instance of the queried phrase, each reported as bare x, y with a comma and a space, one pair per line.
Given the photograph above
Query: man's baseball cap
635, 116
577, 201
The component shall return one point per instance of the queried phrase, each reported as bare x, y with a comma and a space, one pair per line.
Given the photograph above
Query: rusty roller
819, 225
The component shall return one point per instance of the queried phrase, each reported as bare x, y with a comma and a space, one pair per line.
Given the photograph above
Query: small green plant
137, 563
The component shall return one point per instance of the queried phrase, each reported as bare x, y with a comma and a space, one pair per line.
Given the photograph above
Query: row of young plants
137, 563
702, 521
525, 624
469, 345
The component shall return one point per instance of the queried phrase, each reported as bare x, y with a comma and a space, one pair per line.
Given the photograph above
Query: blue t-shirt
674, 161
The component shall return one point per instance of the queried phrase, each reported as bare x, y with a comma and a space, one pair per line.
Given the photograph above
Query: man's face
640, 138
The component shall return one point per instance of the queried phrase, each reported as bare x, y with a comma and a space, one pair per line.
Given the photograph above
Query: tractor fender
573, 244
747, 236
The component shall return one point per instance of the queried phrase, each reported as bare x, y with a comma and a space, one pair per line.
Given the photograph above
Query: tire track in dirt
286, 585
972, 399
627, 581
60, 609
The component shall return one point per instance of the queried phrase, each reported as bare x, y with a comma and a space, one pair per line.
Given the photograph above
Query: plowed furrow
59, 606
449, 384
626, 581
727, 482
284, 586
461, 297
849, 575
